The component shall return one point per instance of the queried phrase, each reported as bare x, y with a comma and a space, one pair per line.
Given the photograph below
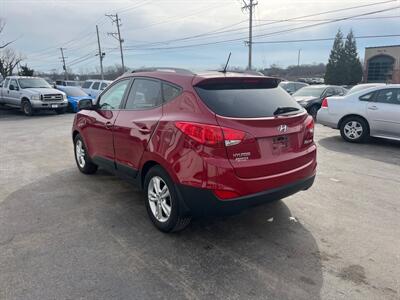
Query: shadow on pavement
74, 236
15, 113
376, 149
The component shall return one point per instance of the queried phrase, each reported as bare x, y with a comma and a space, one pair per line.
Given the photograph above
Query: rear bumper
203, 202
327, 119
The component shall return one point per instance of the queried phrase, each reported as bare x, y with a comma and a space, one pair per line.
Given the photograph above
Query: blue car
74, 95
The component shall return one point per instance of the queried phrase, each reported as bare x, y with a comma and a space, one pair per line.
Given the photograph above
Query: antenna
227, 62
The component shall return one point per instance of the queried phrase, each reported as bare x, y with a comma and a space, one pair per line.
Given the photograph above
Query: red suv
198, 144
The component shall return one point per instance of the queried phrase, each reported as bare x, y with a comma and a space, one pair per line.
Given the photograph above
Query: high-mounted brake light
210, 134
324, 103
309, 131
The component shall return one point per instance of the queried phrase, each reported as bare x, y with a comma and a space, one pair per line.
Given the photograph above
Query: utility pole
298, 58
117, 35
249, 6
63, 61
101, 54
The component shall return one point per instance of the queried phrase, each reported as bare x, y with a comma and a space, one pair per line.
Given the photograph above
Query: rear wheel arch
74, 134
145, 169
350, 116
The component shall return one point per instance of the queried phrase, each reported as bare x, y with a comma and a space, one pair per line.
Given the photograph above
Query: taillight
224, 194
324, 103
309, 131
232, 137
210, 134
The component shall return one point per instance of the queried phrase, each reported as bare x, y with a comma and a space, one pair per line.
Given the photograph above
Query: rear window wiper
285, 109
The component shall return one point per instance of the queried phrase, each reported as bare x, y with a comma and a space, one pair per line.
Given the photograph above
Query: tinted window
96, 85
14, 83
170, 92
367, 97
386, 96
112, 98
245, 100
144, 94
87, 84
103, 86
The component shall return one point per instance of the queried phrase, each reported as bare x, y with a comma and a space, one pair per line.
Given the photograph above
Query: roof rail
165, 69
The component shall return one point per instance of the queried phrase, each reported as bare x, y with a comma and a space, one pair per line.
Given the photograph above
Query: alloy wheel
353, 130
80, 154
159, 199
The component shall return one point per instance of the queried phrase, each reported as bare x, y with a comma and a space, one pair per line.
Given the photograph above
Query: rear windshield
245, 100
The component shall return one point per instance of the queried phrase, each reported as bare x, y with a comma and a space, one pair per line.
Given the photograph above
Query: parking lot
64, 235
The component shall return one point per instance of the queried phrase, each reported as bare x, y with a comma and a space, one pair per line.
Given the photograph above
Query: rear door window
87, 84
170, 91
96, 85
144, 94
245, 98
386, 96
367, 97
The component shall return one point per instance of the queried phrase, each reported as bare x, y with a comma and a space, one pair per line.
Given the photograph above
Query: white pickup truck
31, 94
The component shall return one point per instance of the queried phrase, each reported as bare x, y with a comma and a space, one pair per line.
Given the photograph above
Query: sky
195, 34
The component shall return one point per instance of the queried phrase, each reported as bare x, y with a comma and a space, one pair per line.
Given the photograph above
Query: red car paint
265, 158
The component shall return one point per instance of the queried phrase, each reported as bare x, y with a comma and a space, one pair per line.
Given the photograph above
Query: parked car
94, 87
31, 94
292, 86
74, 95
363, 86
371, 112
198, 144
67, 83
310, 97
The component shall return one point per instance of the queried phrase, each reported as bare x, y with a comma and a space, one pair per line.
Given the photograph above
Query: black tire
88, 167
27, 108
354, 129
60, 111
313, 110
176, 221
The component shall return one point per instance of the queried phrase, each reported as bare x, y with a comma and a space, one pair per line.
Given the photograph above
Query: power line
266, 34
325, 39
265, 24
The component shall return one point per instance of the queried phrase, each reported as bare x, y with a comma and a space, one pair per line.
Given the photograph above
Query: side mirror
86, 104
12, 87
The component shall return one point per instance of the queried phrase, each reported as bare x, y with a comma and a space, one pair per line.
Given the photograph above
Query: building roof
389, 46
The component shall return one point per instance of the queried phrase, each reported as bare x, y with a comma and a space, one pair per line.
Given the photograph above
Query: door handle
373, 107
109, 125
144, 130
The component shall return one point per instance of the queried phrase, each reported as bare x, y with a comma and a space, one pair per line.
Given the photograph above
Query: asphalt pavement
65, 235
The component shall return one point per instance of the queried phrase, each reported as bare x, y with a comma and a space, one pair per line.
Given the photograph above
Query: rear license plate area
280, 143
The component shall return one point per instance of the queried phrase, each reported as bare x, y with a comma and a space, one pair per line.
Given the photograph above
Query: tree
9, 59
336, 67
2, 25
26, 71
353, 64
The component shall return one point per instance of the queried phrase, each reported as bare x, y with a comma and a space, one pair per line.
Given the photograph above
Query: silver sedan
370, 112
